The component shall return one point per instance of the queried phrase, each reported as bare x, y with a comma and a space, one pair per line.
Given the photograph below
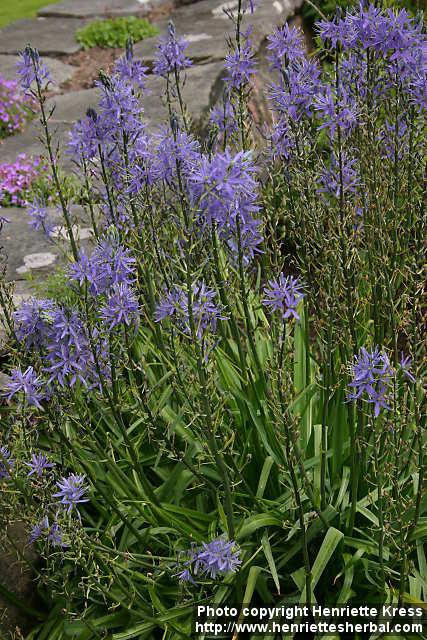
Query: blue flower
39, 217
219, 557
54, 536
109, 264
286, 44
32, 321
205, 312
130, 68
71, 491
38, 464
52, 533
30, 68
170, 54
284, 294
27, 383
39, 529
121, 307
240, 64
184, 575
333, 176
405, 365
372, 377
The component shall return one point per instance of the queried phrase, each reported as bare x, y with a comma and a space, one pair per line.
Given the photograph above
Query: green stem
294, 482
53, 166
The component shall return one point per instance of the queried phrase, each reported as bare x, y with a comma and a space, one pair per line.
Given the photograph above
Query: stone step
51, 36
59, 71
207, 29
31, 253
101, 8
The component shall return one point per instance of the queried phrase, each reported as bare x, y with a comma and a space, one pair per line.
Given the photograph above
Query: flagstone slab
31, 252
51, 36
203, 87
198, 92
207, 28
100, 8
70, 107
59, 71
267, 12
28, 142
17, 575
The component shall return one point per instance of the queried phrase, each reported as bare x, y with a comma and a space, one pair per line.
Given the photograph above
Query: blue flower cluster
219, 557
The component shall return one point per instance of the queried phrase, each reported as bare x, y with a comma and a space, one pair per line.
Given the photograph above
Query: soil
89, 62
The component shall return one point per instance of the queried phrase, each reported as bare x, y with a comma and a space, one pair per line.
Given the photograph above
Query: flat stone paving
98, 8
51, 36
28, 142
206, 27
59, 71
72, 106
30, 252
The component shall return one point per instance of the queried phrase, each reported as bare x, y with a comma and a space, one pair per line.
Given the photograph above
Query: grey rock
267, 12
206, 27
70, 107
100, 8
198, 90
22, 290
30, 252
53, 36
4, 378
202, 88
18, 578
67, 108
28, 142
207, 40
59, 71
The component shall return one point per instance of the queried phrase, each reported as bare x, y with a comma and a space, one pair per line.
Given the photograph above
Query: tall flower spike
286, 45
31, 69
171, 54
130, 68
240, 64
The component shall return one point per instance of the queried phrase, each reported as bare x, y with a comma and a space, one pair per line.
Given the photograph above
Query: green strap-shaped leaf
265, 472
269, 557
329, 544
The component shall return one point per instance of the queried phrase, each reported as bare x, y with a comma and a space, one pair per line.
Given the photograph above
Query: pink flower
15, 107
17, 179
